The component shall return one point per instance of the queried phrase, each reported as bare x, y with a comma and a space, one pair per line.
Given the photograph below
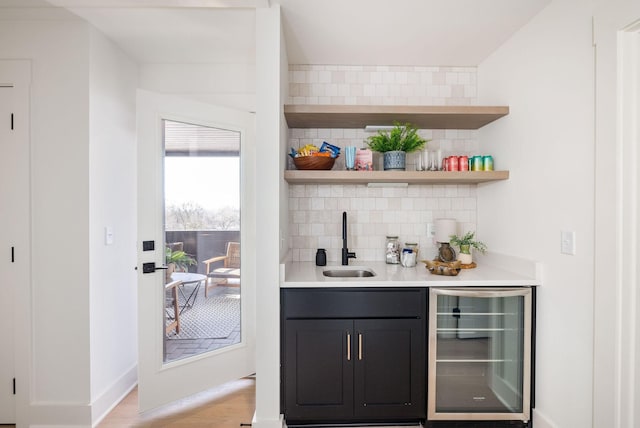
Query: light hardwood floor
227, 406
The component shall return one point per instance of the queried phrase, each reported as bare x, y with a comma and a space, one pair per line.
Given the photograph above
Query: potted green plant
177, 261
465, 243
395, 144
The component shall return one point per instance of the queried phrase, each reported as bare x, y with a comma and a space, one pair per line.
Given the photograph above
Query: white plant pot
465, 259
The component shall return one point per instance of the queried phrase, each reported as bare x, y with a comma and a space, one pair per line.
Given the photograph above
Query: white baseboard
268, 423
540, 421
57, 415
74, 415
114, 394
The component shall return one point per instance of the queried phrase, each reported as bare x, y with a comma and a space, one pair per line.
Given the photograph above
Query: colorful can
477, 164
487, 163
463, 163
453, 164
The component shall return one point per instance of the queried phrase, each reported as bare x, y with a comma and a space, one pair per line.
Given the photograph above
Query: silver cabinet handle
348, 346
360, 346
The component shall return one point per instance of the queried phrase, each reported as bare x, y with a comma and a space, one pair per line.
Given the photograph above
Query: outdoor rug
214, 317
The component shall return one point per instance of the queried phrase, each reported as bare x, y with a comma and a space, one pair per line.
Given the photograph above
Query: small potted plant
395, 144
177, 261
465, 243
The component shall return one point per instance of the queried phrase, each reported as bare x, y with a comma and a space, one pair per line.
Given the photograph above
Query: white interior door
7, 401
14, 236
161, 379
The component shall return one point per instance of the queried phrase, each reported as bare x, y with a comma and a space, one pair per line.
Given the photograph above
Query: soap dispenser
321, 257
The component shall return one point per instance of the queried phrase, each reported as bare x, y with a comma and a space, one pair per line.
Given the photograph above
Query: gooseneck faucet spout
346, 255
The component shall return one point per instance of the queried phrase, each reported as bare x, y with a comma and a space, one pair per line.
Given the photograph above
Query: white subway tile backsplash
324, 76
352, 82
371, 218
373, 213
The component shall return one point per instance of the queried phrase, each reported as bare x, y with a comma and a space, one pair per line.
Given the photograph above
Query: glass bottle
392, 250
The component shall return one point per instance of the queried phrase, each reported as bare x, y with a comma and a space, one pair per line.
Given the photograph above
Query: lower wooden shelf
409, 177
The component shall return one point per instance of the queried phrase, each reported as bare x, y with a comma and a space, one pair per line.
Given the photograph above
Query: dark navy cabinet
353, 355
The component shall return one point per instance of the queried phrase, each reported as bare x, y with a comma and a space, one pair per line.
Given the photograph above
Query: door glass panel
479, 354
202, 239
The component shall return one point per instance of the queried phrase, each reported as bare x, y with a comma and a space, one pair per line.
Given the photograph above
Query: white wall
112, 203
227, 85
58, 47
269, 166
545, 73
82, 171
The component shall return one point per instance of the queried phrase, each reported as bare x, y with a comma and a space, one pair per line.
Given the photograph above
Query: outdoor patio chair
173, 315
230, 268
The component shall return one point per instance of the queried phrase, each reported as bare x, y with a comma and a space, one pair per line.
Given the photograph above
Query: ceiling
345, 32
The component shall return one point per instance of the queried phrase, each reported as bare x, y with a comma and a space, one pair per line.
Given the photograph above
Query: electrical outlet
568, 242
431, 230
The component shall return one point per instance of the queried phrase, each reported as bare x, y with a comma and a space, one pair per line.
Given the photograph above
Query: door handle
151, 267
360, 346
348, 346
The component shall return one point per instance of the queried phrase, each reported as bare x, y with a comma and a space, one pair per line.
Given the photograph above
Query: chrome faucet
346, 255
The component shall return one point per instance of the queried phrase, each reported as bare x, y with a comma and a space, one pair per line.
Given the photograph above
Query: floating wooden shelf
410, 177
423, 117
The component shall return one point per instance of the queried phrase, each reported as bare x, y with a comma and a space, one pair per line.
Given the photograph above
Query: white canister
445, 227
408, 258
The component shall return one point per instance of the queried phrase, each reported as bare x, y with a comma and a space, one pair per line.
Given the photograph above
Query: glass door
479, 354
196, 301
202, 238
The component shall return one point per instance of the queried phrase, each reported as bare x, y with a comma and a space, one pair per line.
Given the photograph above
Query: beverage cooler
480, 354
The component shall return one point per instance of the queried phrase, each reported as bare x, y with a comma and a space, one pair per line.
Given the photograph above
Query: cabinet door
480, 354
318, 369
389, 368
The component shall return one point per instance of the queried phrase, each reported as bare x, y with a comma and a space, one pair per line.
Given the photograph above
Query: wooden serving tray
437, 267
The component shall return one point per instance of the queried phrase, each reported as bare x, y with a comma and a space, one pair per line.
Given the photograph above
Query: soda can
463, 163
453, 163
487, 163
477, 164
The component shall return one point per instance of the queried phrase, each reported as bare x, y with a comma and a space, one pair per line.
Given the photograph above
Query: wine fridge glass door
479, 354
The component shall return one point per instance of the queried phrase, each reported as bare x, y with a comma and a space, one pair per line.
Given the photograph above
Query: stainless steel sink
349, 272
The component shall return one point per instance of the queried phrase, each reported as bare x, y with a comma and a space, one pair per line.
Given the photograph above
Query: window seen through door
202, 239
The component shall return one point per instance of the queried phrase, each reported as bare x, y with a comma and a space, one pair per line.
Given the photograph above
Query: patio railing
203, 244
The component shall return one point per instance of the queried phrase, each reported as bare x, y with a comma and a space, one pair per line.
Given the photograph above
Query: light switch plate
568, 242
108, 235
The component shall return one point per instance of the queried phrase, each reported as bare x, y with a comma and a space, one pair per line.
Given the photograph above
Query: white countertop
493, 270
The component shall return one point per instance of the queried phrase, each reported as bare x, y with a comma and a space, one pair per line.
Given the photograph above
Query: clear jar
392, 250
409, 255
413, 246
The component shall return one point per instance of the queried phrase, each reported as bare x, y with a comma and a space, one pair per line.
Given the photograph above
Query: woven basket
314, 162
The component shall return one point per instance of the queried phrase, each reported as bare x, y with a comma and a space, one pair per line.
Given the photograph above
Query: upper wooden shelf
423, 117
410, 177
